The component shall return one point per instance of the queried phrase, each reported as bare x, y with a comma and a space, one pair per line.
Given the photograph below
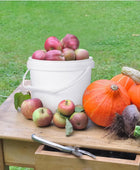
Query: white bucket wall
53, 81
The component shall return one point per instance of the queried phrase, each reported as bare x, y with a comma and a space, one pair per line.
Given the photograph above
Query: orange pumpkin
134, 93
124, 80
102, 99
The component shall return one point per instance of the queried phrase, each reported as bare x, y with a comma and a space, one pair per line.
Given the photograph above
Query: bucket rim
70, 61
73, 65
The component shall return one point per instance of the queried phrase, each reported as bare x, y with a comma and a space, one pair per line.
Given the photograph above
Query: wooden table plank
1, 156
14, 126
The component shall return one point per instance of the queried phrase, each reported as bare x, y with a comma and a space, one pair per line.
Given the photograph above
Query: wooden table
18, 149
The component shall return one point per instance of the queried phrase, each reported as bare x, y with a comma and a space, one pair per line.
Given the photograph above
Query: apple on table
79, 120
66, 107
42, 117
59, 120
29, 106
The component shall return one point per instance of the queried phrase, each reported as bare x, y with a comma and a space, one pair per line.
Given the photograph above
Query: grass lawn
110, 31
20, 168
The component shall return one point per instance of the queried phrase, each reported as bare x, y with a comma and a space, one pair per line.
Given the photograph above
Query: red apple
59, 120
79, 120
42, 117
29, 106
70, 41
52, 43
69, 54
81, 54
54, 55
66, 107
39, 55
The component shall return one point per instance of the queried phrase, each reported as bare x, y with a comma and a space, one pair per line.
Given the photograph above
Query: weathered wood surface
14, 126
19, 153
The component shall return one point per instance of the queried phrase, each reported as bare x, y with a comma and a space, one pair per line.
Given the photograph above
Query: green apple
59, 120
42, 117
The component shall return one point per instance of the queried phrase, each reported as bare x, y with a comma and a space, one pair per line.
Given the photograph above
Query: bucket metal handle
29, 87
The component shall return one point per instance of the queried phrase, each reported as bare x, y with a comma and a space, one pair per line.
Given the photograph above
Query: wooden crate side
46, 160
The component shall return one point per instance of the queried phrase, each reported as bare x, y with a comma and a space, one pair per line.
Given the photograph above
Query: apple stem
42, 111
66, 102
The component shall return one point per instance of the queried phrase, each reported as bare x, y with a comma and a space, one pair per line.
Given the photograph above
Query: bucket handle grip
29, 87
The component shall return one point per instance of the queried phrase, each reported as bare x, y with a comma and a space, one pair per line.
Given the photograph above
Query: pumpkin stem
114, 87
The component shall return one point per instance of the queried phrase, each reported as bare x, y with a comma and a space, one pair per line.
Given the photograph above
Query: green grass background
105, 29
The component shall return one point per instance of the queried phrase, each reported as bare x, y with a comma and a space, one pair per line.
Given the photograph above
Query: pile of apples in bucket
68, 115
64, 50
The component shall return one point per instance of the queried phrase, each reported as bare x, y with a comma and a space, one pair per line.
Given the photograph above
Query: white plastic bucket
54, 81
